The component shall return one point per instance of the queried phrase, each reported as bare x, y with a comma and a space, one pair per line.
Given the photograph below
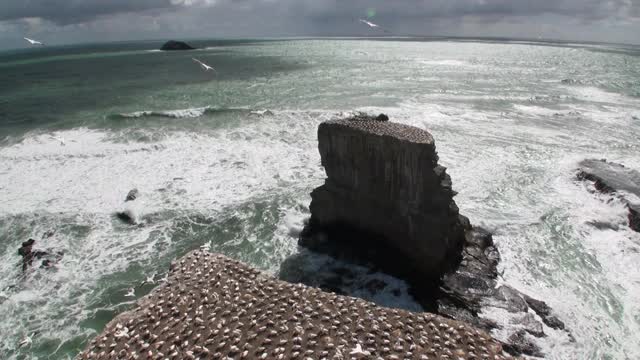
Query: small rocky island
176, 45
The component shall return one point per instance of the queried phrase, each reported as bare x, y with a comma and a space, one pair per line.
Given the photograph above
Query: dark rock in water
127, 216
601, 225
382, 117
385, 189
176, 45
519, 344
544, 311
132, 195
617, 179
634, 217
531, 325
508, 298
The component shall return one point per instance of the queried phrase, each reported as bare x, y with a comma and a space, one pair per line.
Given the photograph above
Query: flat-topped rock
615, 178
385, 190
371, 125
212, 307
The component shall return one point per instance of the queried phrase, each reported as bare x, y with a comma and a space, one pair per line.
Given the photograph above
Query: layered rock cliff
385, 191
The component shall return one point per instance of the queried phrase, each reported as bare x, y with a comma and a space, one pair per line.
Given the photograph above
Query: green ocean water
229, 159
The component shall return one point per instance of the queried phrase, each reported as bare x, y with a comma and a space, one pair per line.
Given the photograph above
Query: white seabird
33, 42
26, 341
131, 292
358, 351
204, 66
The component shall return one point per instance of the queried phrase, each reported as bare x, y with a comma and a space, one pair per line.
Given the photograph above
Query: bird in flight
204, 66
33, 42
369, 23
130, 293
373, 25
26, 341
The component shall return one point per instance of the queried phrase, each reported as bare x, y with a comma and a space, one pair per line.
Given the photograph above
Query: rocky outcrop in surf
214, 307
129, 212
385, 190
176, 45
388, 204
615, 179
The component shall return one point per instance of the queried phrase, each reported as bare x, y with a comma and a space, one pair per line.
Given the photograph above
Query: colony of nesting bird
380, 125
213, 307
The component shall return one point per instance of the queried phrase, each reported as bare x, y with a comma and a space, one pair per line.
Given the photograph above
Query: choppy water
214, 167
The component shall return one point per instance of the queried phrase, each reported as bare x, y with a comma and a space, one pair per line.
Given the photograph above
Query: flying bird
26, 341
33, 42
130, 293
204, 66
369, 23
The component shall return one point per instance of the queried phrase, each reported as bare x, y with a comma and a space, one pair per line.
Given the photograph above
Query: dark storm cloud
72, 11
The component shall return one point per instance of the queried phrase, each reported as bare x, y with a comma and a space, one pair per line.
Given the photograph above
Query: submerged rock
214, 307
609, 177
132, 195
176, 45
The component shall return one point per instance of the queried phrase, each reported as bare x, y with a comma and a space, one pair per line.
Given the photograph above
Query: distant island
176, 45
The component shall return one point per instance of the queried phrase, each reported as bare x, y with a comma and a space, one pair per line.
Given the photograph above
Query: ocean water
228, 161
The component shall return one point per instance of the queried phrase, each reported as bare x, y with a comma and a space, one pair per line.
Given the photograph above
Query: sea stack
176, 45
385, 191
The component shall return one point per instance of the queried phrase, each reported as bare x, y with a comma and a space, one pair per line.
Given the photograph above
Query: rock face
617, 179
385, 190
212, 307
176, 45
387, 205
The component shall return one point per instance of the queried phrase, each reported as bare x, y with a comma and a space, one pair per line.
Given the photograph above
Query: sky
76, 21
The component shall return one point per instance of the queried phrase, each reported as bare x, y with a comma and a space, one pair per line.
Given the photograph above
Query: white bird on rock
358, 351
204, 66
33, 42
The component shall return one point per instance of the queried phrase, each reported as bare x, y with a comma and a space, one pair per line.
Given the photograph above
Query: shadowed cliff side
385, 190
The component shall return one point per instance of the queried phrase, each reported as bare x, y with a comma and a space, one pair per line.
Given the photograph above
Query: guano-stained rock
213, 307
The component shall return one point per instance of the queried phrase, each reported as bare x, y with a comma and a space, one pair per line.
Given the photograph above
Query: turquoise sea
229, 160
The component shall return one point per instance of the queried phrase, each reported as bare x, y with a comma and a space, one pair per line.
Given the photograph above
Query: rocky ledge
388, 205
615, 179
212, 307
176, 45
